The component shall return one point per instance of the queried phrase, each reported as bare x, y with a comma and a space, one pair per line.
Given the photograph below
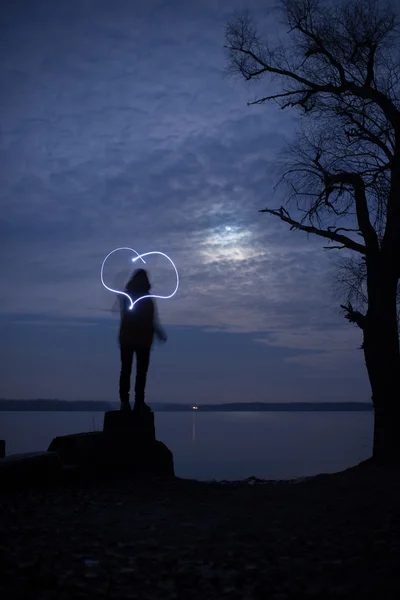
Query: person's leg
125, 375
142, 365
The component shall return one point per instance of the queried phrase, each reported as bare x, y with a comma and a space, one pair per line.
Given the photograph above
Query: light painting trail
139, 257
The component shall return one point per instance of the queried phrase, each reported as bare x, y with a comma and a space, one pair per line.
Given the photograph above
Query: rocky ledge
127, 442
126, 445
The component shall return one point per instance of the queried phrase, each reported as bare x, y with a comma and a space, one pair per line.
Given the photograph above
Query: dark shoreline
85, 406
329, 536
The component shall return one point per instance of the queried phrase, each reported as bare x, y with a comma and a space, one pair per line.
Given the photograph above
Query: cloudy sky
119, 127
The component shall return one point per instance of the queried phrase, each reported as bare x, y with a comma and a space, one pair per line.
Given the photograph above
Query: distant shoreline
96, 406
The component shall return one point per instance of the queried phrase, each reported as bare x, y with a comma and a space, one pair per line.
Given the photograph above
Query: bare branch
337, 229
254, 58
341, 68
317, 46
277, 97
369, 80
335, 237
362, 132
354, 316
367, 231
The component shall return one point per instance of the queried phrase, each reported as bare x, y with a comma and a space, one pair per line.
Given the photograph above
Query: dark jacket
138, 326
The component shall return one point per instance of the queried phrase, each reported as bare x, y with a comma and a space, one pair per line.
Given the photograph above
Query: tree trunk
386, 445
382, 358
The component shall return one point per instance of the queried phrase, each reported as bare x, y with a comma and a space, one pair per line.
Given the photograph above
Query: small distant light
195, 408
228, 228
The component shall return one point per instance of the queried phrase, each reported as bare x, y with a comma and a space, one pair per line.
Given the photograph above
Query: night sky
120, 127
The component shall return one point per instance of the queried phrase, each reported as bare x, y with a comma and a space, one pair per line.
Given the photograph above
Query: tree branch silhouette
340, 68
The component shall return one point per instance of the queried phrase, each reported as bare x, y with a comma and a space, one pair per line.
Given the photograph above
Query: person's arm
122, 306
158, 329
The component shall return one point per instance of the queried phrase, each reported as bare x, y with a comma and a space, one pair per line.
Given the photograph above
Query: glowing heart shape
139, 257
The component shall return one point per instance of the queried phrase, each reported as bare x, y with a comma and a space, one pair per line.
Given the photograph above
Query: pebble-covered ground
333, 536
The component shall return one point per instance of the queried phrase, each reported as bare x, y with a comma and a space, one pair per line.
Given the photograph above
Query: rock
30, 469
78, 448
127, 444
139, 425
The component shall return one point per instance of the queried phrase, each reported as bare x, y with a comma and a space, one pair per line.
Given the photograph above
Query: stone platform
138, 425
127, 443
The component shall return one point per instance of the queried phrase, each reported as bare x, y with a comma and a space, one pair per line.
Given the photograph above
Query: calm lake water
222, 446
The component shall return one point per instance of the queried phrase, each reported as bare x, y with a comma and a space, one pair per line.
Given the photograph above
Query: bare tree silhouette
340, 68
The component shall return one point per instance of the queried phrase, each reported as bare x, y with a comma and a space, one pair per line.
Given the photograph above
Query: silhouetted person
136, 335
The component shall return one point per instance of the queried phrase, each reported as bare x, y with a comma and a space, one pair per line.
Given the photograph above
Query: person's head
139, 283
